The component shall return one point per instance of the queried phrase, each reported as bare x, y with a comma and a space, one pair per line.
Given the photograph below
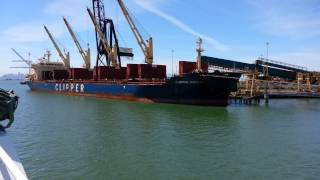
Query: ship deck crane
84, 54
64, 56
112, 52
146, 46
28, 62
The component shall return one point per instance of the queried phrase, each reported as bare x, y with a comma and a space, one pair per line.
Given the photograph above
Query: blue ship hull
192, 89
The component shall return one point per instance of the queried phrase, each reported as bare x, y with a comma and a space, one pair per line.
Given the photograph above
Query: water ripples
62, 137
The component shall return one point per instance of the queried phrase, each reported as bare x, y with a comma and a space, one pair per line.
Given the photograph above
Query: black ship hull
210, 89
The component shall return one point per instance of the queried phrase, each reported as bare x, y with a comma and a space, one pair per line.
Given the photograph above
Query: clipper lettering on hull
66, 87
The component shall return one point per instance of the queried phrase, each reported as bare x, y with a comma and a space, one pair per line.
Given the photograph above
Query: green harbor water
63, 137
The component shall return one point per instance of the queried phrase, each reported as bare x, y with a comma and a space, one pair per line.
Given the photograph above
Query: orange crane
146, 46
84, 54
64, 56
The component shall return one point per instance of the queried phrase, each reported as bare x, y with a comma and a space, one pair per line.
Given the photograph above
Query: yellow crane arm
107, 48
147, 48
85, 55
65, 57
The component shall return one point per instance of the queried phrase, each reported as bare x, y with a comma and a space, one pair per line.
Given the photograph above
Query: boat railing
11, 166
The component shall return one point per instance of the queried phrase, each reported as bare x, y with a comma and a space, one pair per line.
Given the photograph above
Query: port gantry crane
84, 54
106, 38
64, 56
110, 53
146, 46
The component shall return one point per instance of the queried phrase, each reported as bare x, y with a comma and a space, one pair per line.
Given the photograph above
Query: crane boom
112, 52
29, 63
22, 58
85, 55
146, 47
65, 57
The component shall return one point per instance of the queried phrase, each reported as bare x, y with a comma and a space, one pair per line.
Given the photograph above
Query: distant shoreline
13, 77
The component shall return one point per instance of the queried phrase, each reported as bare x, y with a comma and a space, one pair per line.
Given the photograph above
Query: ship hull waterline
191, 90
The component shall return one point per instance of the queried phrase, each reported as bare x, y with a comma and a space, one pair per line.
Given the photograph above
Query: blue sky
232, 29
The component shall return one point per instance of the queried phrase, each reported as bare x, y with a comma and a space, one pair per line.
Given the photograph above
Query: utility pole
172, 67
266, 75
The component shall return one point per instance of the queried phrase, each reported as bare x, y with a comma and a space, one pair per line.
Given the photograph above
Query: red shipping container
71, 73
205, 67
186, 67
47, 75
103, 72
60, 74
107, 72
162, 72
132, 71
123, 73
145, 71
89, 75
110, 72
159, 71
80, 73
120, 73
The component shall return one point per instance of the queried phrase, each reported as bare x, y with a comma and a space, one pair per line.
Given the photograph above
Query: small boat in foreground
10, 164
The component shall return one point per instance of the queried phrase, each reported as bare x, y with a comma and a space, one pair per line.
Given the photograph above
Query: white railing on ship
11, 166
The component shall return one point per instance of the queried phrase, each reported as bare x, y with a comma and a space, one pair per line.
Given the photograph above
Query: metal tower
106, 26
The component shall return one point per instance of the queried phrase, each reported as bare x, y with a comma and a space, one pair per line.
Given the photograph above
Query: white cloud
151, 7
74, 10
31, 32
24, 33
294, 19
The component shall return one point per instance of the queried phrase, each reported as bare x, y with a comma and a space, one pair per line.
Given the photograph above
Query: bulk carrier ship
148, 82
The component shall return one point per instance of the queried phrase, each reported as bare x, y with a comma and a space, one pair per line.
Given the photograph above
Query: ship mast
199, 50
64, 56
146, 46
84, 54
48, 54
